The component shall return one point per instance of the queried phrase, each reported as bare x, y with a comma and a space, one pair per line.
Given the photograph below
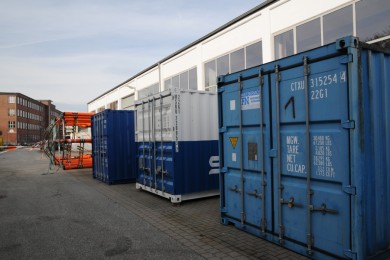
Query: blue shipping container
177, 139
113, 146
304, 151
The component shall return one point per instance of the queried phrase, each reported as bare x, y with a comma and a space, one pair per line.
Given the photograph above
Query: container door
311, 166
245, 141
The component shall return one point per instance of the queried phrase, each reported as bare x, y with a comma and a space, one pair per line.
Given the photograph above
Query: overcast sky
71, 51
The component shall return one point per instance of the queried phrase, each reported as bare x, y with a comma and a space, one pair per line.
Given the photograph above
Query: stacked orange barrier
82, 119
72, 160
73, 141
84, 161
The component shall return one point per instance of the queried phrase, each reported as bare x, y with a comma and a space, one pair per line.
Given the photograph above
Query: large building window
176, 82
254, 55
284, 44
373, 21
114, 105
11, 112
247, 57
148, 91
237, 60
193, 79
11, 99
338, 24
210, 70
223, 65
128, 102
185, 80
309, 35
11, 124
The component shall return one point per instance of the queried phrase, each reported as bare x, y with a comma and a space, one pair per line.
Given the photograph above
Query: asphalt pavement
55, 214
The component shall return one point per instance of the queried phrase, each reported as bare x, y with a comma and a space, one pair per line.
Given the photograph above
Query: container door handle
255, 194
323, 209
161, 172
235, 189
146, 169
291, 203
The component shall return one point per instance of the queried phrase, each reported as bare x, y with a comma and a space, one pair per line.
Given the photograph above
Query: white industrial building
272, 30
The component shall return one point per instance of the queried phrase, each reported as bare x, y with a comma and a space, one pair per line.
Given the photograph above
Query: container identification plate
250, 100
232, 104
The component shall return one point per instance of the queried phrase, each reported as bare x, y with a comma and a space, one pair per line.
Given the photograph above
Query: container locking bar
160, 170
280, 187
150, 145
143, 142
154, 141
263, 183
306, 72
241, 153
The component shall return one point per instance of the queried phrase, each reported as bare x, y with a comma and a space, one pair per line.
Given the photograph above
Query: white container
177, 144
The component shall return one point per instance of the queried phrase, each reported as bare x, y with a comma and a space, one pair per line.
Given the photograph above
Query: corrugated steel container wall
113, 146
309, 167
177, 135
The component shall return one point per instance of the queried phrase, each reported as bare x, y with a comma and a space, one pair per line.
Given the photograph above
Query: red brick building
23, 120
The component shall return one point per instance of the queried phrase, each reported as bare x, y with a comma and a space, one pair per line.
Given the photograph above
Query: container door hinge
263, 225
221, 89
222, 129
348, 253
273, 153
223, 170
346, 59
349, 124
351, 190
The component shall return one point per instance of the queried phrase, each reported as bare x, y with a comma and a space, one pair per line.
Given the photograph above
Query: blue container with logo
304, 151
113, 146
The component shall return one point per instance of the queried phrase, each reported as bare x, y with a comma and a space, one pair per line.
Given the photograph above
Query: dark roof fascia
27, 97
20, 95
223, 27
